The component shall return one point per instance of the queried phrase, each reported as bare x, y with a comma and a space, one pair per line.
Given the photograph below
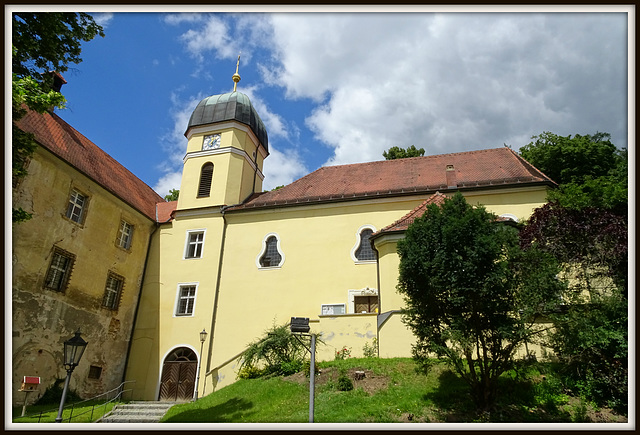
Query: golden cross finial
236, 76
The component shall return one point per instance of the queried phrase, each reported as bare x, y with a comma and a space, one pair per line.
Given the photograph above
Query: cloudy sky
336, 88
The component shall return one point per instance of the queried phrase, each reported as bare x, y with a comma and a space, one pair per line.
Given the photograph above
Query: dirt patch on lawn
362, 379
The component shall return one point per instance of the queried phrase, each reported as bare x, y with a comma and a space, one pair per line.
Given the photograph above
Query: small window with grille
59, 270
95, 372
113, 291
271, 255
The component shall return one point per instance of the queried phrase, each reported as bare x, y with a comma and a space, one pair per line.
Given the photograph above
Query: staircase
137, 412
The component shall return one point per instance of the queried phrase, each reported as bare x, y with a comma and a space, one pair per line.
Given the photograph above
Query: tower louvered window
206, 177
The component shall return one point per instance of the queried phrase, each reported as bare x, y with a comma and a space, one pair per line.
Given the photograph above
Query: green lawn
392, 392
48, 413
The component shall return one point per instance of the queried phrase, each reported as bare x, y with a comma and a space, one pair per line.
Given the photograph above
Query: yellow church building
231, 260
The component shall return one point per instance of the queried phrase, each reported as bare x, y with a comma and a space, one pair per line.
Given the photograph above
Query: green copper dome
232, 106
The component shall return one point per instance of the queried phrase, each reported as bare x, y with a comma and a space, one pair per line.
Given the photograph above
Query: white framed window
271, 255
125, 234
113, 291
332, 309
194, 244
76, 207
362, 251
365, 300
186, 300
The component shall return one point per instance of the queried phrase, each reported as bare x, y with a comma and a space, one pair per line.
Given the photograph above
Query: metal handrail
118, 396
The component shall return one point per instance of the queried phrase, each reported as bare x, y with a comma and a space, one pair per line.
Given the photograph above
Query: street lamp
300, 325
203, 337
73, 350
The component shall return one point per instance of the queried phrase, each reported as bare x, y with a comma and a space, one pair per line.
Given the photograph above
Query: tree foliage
590, 170
42, 42
472, 295
401, 153
591, 333
173, 195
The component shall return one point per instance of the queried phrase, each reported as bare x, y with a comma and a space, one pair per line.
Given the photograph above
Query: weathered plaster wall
43, 319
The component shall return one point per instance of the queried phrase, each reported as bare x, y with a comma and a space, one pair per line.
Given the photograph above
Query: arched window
206, 176
363, 251
271, 255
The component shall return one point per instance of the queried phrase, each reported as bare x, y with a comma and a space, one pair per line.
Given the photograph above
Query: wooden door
178, 380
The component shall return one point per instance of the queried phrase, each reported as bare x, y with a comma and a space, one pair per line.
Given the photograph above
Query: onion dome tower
227, 145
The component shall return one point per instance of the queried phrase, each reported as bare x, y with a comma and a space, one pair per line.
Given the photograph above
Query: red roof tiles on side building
54, 134
498, 167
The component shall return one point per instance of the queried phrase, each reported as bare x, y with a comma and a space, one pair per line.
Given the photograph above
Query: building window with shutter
206, 177
195, 244
59, 270
113, 291
271, 255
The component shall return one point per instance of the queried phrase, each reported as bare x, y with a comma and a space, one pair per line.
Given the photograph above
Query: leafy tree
401, 153
42, 42
173, 195
590, 170
472, 295
591, 332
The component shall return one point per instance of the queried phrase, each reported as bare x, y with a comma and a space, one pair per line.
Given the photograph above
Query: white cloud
168, 182
102, 19
451, 82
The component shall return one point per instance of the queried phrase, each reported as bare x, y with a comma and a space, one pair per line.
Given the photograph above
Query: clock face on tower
211, 142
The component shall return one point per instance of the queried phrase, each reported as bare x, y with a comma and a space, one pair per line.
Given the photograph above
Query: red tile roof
403, 223
67, 143
498, 167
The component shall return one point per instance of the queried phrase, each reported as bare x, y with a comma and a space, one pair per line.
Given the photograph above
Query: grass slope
392, 391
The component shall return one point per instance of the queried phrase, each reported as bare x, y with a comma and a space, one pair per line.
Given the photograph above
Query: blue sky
337, 88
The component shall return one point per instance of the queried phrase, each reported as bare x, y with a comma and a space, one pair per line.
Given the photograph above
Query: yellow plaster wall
159, 331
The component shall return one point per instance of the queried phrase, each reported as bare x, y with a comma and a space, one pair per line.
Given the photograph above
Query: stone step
137, 412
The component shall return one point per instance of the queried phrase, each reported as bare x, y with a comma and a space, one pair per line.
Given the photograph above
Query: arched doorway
178, 379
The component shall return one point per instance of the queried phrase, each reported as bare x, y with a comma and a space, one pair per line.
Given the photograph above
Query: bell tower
226, 148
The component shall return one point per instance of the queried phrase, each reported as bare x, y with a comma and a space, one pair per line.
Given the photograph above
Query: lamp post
300, 325
203, 337
73, 350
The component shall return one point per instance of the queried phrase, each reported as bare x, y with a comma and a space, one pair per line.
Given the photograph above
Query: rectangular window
95, 372
125, 233
195, 243
113, 291
366, 304
59, 270
76, 207
330, 309
186, 300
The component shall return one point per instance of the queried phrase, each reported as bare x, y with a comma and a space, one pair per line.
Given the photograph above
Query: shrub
370, 350
344, 383
250, 372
